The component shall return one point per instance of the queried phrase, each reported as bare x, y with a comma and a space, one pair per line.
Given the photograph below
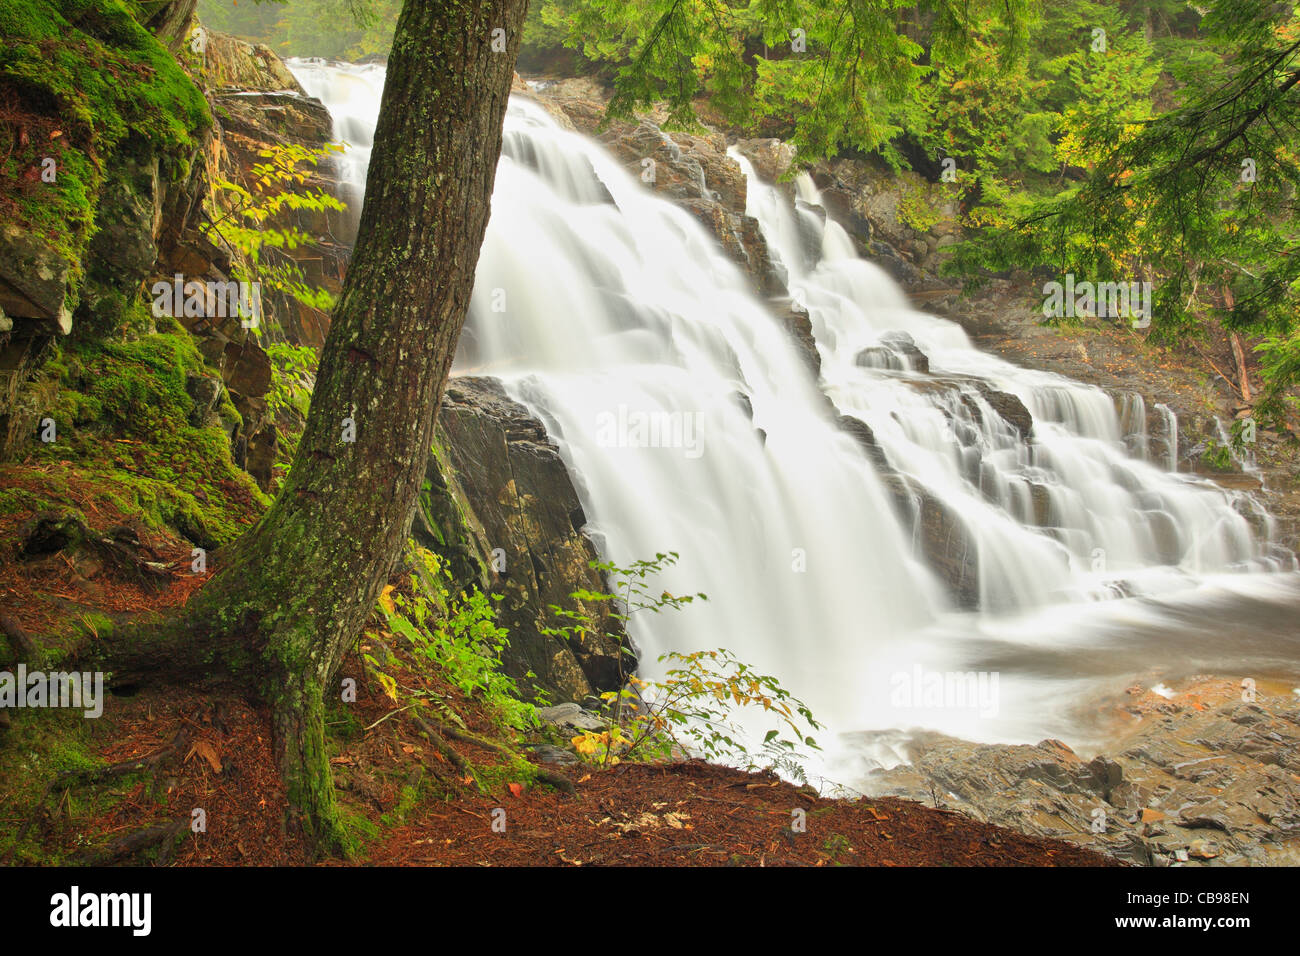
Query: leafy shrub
695, 707
458, 632
247, 224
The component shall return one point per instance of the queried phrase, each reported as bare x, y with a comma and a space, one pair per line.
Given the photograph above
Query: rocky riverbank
1205, 772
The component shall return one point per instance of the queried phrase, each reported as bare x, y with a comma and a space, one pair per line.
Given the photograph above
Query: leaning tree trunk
297, 589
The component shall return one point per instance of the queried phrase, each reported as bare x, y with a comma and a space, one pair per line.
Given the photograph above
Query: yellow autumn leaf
386, 600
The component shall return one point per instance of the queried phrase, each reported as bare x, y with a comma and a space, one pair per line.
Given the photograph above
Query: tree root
162, 835
150, 762
119, 548
437, 733
440, 744
26, 650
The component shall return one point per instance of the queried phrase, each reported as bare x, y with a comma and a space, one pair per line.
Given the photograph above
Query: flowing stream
691, 423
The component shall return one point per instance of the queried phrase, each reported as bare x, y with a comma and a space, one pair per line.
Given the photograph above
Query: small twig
390, 714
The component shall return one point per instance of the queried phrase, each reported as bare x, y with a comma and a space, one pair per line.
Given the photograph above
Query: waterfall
1169, 426
691, 423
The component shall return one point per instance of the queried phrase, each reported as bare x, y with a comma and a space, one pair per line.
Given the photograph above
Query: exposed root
120, 548
150, 763
161, 835
440, 744
437, 734
26, 650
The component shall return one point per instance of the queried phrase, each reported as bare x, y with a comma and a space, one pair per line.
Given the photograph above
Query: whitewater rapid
691, 423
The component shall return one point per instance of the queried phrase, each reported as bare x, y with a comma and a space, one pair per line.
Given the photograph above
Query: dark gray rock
1193, 786
33, 282
503, 482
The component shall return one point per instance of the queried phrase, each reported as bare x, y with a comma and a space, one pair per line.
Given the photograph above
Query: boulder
129, 218
229, 62
502, 481
939, 536
1009, 408
771, 157
33, 282
799, 325
948, 548
904, 345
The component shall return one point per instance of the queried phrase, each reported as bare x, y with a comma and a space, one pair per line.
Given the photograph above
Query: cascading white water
691, 423
1109, 516
352, 96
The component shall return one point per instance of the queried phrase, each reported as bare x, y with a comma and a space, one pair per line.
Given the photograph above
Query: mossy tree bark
291, 596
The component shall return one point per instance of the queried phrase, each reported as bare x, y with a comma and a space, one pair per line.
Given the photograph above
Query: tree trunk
292, 594
1243, 373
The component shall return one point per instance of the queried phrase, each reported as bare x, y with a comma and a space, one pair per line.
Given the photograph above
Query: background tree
843, 74
1201, 197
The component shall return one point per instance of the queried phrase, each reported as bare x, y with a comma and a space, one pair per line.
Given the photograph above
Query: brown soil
676, 814
697, 814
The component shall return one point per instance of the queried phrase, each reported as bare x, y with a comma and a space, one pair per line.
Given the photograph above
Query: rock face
900, 219
799, 325
257, 105
772, 158
1009, 408
33, 283
232, 63
1194, 785
151, 228
897, 350
939, 536
504, 483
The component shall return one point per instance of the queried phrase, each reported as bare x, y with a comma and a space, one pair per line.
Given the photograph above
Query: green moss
91, 76
126, 421
19, 500
341, 721
512, 769
39, 745
407, 801
358, 830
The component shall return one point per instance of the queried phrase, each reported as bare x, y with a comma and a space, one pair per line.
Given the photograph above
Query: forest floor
404, 801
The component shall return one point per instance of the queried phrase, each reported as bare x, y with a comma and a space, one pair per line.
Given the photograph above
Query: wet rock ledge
1207, 778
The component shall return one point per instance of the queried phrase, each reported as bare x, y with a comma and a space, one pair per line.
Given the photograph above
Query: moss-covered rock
87, 74
127, 417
